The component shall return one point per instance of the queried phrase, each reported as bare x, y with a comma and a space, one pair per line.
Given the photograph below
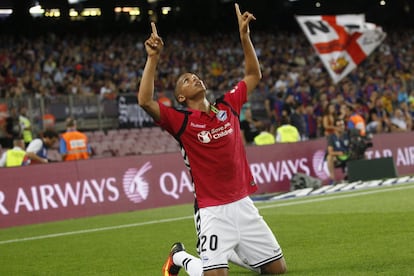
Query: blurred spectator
12, 128
407, 115
36, 151
289, 105
387, 101
282, 83
311, 120
25, 125
378, 118
108, 90
399, 121
13, 157
273, 106
48, 121
328, 119
297, 119
74, 144
162, 98
354, 120
3, 134
287, 133
410, 104
249, 126
361, 108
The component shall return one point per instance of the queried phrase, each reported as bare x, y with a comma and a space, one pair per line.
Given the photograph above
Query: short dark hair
285, 120
49, 133
70, 122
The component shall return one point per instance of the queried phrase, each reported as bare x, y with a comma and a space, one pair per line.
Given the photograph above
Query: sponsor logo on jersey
206, 136
192, 124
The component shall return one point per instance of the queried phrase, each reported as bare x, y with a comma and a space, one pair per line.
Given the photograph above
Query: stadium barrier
63, 190
93, 112
371, 169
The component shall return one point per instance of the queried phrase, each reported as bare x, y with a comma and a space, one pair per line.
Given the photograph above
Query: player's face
189, 85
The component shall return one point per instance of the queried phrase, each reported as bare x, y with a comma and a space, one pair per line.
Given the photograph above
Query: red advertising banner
57, 191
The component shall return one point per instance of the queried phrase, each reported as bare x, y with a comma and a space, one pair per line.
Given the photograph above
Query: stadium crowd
294, 83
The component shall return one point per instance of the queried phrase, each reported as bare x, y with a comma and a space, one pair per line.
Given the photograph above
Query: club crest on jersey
222, 115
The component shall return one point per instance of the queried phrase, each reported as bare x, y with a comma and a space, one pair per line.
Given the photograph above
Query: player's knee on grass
276, 267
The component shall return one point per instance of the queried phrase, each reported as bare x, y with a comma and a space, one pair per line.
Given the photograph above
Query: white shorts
237, 227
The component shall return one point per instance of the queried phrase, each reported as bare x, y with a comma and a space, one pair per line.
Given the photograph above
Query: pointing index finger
237, 9
154, 28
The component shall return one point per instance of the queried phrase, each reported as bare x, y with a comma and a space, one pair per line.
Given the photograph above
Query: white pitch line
335, 196
71, 233
281, 204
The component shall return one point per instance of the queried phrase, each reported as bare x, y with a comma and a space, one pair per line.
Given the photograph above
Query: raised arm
252, 73
153, 46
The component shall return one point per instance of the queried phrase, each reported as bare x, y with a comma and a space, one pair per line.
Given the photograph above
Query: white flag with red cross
341, 41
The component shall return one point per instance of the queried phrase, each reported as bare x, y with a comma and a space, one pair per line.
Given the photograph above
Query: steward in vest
13, 157
264, 137
73, 144
287, 133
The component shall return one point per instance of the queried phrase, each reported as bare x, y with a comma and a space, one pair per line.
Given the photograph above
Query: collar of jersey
199, 113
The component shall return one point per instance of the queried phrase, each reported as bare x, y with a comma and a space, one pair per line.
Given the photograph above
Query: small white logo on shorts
204, 259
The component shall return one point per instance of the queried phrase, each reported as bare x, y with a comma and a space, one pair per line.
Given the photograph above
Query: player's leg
178, 258
330, 160
275, 267
235, 259
216, 238
258, 246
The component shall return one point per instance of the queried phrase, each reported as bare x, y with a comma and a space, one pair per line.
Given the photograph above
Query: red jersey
213, 149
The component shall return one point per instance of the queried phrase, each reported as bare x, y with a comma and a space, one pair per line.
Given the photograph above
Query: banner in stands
130, 114
57, 191
81, 107
341, 41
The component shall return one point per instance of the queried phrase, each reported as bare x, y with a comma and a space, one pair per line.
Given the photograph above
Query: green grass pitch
363, 232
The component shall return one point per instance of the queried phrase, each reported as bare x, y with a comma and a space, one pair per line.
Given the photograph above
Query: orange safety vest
359, 123
76, 145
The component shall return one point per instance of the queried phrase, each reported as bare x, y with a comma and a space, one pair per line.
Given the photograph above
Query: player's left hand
243, 19
154, 44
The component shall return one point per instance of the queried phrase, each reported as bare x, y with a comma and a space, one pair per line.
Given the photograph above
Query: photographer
338, 148
345, 145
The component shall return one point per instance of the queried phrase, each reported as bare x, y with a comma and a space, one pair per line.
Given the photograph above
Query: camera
358, 144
